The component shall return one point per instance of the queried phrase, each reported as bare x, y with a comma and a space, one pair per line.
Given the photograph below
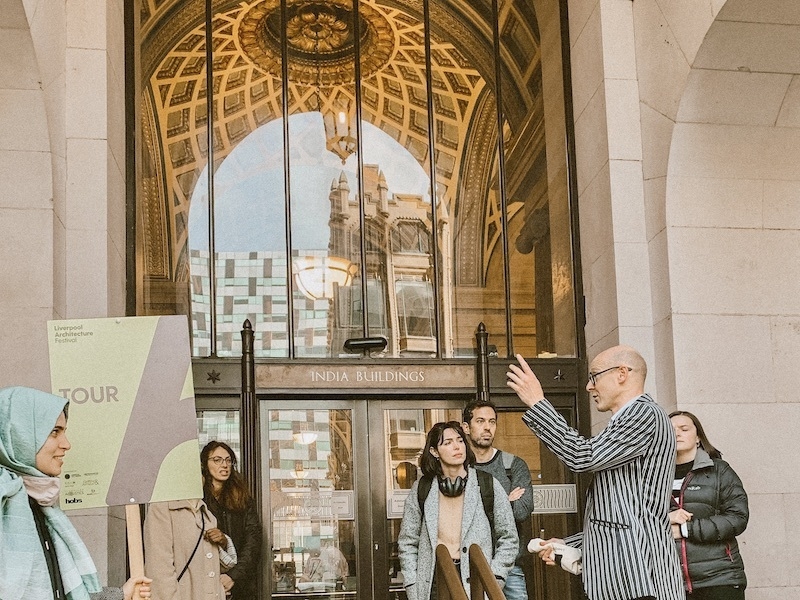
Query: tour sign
132, 420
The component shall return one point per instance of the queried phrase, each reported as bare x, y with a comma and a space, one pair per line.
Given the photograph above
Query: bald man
627, 546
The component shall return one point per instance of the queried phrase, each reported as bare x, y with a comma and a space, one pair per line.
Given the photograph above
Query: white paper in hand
570, 557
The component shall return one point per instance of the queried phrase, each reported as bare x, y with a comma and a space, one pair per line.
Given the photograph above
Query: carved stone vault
321, 48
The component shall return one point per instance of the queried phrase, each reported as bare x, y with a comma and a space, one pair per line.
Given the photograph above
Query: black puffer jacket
713, 493
244, 529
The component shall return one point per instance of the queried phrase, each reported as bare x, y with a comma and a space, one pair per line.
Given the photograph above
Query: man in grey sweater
480, 425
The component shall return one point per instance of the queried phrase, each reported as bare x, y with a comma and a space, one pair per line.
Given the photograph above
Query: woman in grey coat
454, 515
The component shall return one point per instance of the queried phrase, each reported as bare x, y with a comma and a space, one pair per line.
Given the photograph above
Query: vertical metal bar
287, 184
374, 496
432, 166
583, 417
583, 413
133, 161
249, 427
366, 551
212, 254
572, 192
248, 416
501, 170
362, 217
482, 364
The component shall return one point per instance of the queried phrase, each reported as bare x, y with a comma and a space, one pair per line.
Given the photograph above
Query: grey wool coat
417, 540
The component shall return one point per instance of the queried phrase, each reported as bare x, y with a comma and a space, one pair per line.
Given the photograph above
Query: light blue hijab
27, 417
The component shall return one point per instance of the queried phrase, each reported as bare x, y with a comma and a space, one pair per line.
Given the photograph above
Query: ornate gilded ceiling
321, 41
321, 47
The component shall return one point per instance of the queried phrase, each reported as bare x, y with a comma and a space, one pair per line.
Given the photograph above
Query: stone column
614, 248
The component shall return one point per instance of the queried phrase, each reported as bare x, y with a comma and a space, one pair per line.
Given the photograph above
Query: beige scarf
45, 490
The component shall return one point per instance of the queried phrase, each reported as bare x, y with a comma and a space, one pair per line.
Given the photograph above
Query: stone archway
733, 227
62, 193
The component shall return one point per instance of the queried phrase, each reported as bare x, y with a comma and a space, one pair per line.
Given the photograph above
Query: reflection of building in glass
221, 425
497, 160
397, 253
311, 498
327, 283
300, 473
252, 285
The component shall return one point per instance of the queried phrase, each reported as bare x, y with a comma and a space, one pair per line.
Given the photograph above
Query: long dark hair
428, 462
234, 495
701, 434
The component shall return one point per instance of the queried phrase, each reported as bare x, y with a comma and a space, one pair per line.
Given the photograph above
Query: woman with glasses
709, 509
227, 496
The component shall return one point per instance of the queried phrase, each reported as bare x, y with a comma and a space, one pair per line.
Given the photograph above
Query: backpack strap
486, 483
508, 460
423, 489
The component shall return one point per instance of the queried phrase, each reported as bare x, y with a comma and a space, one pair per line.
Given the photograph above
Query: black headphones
452, 488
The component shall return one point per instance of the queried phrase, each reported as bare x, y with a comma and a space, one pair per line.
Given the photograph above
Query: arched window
268, 144
410, 237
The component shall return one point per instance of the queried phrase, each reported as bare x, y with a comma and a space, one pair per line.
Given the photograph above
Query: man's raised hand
524, 382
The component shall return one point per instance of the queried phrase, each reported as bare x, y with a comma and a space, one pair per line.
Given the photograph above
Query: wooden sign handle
133, 520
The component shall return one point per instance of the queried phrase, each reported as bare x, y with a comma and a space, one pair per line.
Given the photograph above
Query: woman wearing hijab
41, 554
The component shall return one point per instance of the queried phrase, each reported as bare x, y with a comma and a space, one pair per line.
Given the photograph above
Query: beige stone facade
687, 118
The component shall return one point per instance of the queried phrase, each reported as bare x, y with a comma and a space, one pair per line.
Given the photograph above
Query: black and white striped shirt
627, 545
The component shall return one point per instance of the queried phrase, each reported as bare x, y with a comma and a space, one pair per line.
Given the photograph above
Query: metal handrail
448, 581
481, 579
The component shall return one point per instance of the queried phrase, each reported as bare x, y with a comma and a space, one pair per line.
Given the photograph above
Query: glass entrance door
336, 475
310, 473
403, 425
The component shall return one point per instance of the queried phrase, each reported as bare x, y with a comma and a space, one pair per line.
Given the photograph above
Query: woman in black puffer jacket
709, 511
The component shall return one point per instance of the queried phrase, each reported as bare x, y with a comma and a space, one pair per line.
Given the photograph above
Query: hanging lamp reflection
304, 435
339, 120
319, 27
299, 471
318, 276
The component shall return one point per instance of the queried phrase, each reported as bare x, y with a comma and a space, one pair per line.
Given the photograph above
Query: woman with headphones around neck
454, 515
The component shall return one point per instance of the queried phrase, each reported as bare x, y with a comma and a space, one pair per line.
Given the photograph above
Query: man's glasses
593, 376
218, 460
